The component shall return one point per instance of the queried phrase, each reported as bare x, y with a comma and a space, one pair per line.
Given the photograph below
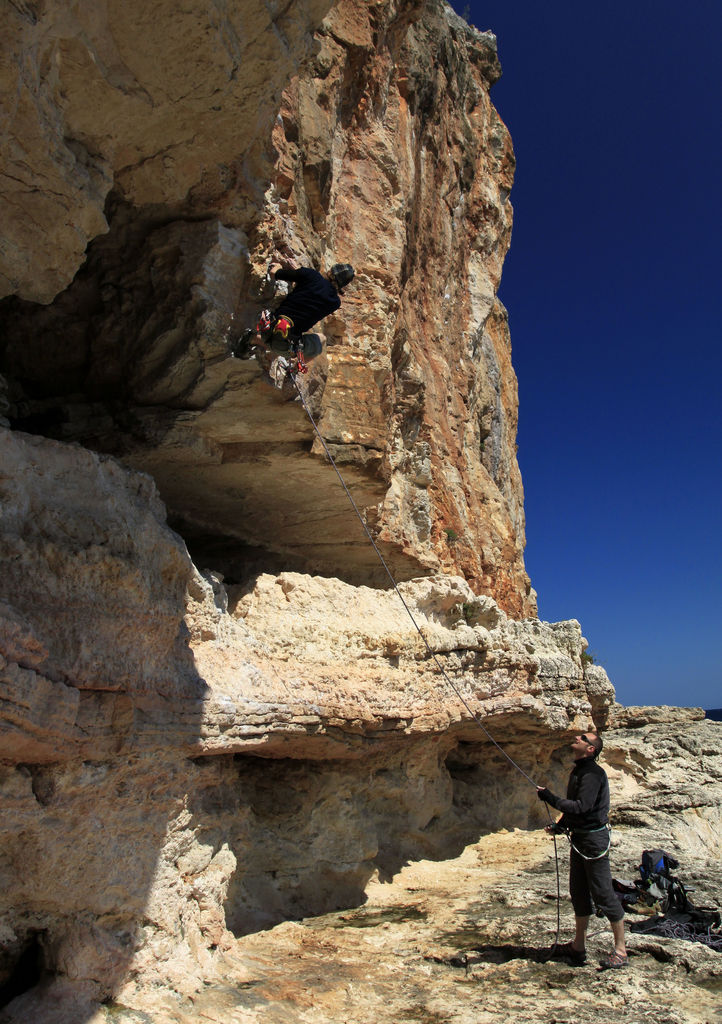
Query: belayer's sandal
614, 959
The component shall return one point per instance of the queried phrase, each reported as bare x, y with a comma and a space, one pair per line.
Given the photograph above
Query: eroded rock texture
120, 95
186, 759
386, 152
210, 761
184, 762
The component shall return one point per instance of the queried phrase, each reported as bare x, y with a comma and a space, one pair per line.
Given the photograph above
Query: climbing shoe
614, 959
242, 348
566, 951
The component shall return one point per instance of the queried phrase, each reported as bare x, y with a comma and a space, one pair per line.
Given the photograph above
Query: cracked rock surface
179, 802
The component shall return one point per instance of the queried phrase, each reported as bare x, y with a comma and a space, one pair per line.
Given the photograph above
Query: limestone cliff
185, 759
183, 762
384, 150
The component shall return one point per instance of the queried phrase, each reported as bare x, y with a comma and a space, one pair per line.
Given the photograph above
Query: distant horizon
612, 288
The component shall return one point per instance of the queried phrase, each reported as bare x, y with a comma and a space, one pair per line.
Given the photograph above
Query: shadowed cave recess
132, 360
321, 830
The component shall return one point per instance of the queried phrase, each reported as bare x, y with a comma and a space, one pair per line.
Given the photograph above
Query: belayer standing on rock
284, 331
585, 817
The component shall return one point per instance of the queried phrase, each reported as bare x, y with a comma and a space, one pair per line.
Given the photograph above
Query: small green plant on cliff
587, 658
451, 534
469, 610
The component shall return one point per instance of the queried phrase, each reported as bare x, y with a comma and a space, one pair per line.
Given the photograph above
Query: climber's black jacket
312, 298
586, 806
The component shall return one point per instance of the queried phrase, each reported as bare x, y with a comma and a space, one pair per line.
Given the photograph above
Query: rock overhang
129, 359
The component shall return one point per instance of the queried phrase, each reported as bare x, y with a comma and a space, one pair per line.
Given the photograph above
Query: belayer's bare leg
580, 934
618, 933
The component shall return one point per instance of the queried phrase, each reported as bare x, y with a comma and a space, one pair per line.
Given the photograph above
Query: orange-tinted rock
387, 153
403, 167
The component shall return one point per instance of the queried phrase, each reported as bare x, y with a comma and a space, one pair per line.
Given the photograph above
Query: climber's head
341, 274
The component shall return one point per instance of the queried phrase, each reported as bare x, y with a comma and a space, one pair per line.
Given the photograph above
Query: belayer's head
587, 744
341, 274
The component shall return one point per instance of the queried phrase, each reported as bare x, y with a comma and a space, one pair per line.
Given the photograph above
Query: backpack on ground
675, 916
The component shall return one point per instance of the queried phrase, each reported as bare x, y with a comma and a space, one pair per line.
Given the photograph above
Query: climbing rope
431, 652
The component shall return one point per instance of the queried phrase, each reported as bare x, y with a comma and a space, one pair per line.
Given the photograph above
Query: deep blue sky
613, 286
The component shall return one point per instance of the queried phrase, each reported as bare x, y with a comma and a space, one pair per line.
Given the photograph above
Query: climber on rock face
284, 331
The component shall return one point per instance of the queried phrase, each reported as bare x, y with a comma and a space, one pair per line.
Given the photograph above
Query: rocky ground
261, 804
247, 803
463, 941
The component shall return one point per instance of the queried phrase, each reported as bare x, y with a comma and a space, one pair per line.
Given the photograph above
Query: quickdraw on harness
295, 344
282, 327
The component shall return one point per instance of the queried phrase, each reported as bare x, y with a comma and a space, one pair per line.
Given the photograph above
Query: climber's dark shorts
283, 344
591, 880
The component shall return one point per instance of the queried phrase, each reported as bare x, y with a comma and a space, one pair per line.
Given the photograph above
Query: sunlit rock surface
183, 762
215, 733
384, 151
146, 100
270, 752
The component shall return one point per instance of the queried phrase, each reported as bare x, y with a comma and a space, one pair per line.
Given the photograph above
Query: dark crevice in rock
23, 969
43, 782
238, 562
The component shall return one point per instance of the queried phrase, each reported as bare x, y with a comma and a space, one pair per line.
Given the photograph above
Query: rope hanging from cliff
432, 653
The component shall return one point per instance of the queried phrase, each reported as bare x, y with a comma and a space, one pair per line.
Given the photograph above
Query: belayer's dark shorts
590, 881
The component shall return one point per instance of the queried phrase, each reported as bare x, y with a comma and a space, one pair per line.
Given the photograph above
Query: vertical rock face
91, 571
393, 157
386, 152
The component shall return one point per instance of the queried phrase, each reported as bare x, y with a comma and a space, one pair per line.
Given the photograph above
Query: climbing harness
296, 346
290, 347
597, 856
429, 649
